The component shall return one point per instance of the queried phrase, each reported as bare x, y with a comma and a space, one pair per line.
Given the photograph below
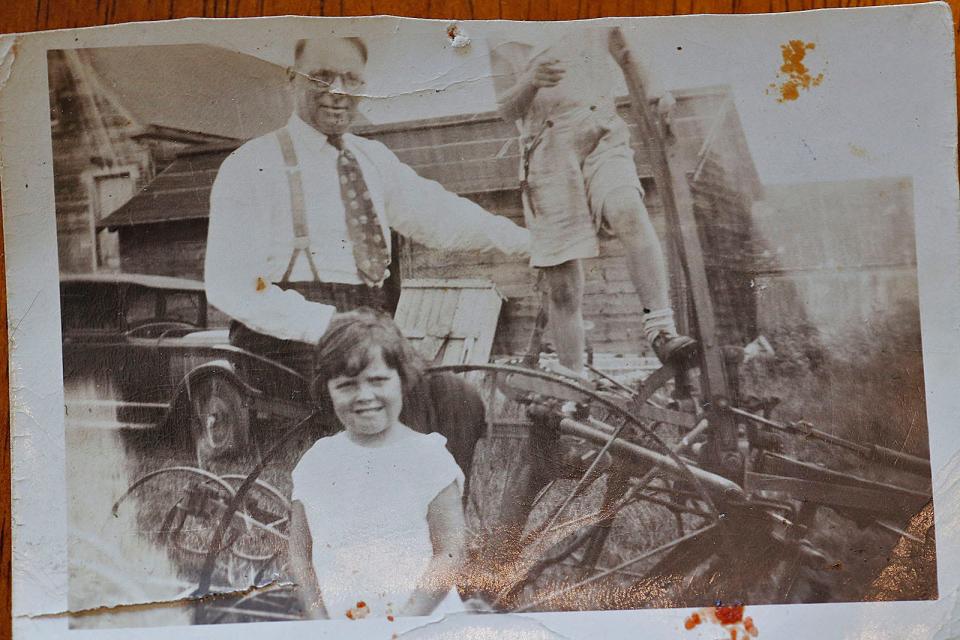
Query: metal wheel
219, 422
255, 540
575, 498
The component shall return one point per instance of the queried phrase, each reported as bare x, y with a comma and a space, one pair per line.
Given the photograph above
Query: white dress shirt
250, 238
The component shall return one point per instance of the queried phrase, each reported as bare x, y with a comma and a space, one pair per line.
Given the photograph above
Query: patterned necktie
363, 227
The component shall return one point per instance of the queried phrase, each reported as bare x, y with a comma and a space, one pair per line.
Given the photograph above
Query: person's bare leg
565, 282
627, 216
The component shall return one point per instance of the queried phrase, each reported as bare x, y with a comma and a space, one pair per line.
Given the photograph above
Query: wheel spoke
586, 475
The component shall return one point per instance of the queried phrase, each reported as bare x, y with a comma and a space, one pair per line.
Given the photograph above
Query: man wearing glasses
300, 218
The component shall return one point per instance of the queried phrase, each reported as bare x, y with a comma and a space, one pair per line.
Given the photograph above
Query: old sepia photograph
573, 317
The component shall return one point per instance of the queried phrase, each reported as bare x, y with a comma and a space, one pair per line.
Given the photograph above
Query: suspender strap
526, 152
298, 208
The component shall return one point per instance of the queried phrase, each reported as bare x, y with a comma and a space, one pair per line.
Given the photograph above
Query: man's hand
546, 74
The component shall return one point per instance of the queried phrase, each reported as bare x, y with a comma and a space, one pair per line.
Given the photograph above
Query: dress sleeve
440, 467
305, 476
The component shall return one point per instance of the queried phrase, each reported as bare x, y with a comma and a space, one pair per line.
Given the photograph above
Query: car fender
222, 367
181, 394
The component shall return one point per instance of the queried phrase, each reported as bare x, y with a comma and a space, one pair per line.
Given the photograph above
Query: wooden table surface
36, 15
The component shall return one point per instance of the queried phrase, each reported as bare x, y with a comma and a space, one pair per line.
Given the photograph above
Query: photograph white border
922, 34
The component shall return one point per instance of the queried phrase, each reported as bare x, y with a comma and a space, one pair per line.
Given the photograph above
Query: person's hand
547, 73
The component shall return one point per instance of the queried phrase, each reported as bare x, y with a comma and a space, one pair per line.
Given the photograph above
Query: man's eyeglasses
326, 79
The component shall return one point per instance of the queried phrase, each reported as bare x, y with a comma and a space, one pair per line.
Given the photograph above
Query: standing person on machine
579, 181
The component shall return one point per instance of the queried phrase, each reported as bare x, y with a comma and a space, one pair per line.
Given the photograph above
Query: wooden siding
89, 135
168, 249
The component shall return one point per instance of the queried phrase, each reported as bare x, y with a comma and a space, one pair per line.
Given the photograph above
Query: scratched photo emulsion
591, 322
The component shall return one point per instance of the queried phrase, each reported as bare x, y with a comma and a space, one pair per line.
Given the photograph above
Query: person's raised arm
515, 83
447, 532
236, 268
301, 564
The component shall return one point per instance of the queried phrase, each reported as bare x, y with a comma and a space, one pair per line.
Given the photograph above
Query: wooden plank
833, 494
433, 322
442, 324
459, 151
458, 283
670, 166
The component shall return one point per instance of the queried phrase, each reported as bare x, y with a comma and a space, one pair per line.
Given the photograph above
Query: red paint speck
692, 621
730, 615
731, 618
361, 604
390, 618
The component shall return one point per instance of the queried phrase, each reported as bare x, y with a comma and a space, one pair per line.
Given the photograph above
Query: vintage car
148, 352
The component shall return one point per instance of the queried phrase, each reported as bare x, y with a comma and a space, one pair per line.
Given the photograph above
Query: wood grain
35, 15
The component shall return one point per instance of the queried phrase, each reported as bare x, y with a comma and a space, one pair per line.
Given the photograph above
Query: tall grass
865, 384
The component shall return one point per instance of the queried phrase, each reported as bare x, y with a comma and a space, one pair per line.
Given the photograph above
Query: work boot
679, 351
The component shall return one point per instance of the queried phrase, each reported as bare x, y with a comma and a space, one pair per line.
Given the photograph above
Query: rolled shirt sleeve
423, 210
237, 265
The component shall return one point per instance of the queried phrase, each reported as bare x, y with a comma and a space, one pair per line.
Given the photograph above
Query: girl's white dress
367, 512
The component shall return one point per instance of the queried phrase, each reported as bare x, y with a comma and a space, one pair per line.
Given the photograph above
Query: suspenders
301, 233
526, 150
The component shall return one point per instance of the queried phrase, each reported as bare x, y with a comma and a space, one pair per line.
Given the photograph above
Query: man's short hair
302, 44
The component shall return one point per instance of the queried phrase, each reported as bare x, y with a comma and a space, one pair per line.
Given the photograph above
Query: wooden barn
102, 157
162, 229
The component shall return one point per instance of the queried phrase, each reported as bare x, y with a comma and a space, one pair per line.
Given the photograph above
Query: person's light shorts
574, 166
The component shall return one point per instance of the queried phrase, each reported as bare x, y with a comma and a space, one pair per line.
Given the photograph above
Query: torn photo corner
395, 328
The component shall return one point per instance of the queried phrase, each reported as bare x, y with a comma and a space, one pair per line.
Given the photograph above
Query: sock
659, 320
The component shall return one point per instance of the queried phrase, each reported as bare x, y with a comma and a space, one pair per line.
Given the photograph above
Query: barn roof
179, 192
467, 154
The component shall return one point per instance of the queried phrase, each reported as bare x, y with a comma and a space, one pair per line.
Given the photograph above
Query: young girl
377, 527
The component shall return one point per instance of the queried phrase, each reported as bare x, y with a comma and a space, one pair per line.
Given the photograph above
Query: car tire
219, 419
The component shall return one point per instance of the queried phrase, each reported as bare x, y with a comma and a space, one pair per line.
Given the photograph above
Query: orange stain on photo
729, 617
692, 621
796, 74
261, 284
358, 612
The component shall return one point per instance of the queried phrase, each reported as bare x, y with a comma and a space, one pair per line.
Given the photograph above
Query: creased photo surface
398, 328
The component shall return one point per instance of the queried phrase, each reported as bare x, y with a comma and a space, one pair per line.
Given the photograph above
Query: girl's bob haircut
349, 343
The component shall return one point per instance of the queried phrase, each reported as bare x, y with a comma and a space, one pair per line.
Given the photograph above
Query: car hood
208, 338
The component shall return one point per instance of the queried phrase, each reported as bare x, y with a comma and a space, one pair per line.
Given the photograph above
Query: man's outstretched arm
424, 211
